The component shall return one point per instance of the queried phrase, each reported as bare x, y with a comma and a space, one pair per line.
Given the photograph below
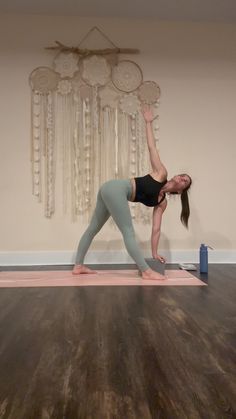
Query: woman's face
181, 182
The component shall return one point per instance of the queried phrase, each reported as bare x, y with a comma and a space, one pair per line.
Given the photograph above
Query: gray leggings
112, 200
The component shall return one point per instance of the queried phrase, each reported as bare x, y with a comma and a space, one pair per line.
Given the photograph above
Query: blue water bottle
203, 255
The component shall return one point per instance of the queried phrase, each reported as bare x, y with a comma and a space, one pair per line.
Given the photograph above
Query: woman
150, 190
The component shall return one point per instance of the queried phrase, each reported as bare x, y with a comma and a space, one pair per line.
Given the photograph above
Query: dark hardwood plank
120, 352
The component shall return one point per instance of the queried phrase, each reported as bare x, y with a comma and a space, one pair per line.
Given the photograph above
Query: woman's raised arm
157, 165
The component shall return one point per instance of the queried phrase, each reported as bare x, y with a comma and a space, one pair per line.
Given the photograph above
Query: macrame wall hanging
87, 120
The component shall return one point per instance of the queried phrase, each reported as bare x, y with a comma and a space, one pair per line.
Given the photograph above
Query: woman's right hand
160, 258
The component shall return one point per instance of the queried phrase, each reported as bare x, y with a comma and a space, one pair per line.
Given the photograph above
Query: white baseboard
108, 257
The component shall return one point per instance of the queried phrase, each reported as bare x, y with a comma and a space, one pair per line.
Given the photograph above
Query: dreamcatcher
88, 110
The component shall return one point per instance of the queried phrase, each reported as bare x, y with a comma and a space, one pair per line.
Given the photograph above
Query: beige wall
195, 65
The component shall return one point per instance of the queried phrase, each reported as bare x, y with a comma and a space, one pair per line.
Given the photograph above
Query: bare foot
82, 269
153, 275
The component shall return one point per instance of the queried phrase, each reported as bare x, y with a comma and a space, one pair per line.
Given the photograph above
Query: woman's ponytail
185, 213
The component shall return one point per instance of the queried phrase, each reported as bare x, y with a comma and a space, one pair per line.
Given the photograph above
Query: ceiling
175, 10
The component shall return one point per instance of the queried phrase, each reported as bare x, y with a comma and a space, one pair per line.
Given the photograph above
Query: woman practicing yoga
150, 190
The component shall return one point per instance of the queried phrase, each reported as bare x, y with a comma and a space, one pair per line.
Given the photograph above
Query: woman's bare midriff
133, 190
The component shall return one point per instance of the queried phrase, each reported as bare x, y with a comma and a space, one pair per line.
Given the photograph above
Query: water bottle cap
206, 246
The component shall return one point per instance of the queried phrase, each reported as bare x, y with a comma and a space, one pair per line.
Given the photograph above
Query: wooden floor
120, 352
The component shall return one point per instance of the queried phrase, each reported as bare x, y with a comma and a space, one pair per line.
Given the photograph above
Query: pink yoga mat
15, 279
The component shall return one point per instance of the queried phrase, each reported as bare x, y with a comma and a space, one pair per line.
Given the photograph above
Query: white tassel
35, 145
116, 143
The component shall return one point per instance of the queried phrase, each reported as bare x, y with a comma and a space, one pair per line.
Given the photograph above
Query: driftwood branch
86, 52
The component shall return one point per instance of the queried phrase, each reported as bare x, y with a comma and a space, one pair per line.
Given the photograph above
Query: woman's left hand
147, 113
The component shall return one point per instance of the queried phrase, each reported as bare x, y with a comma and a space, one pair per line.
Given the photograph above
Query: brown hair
185, 211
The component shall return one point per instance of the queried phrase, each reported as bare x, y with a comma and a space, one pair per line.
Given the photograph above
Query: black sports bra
147, 190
